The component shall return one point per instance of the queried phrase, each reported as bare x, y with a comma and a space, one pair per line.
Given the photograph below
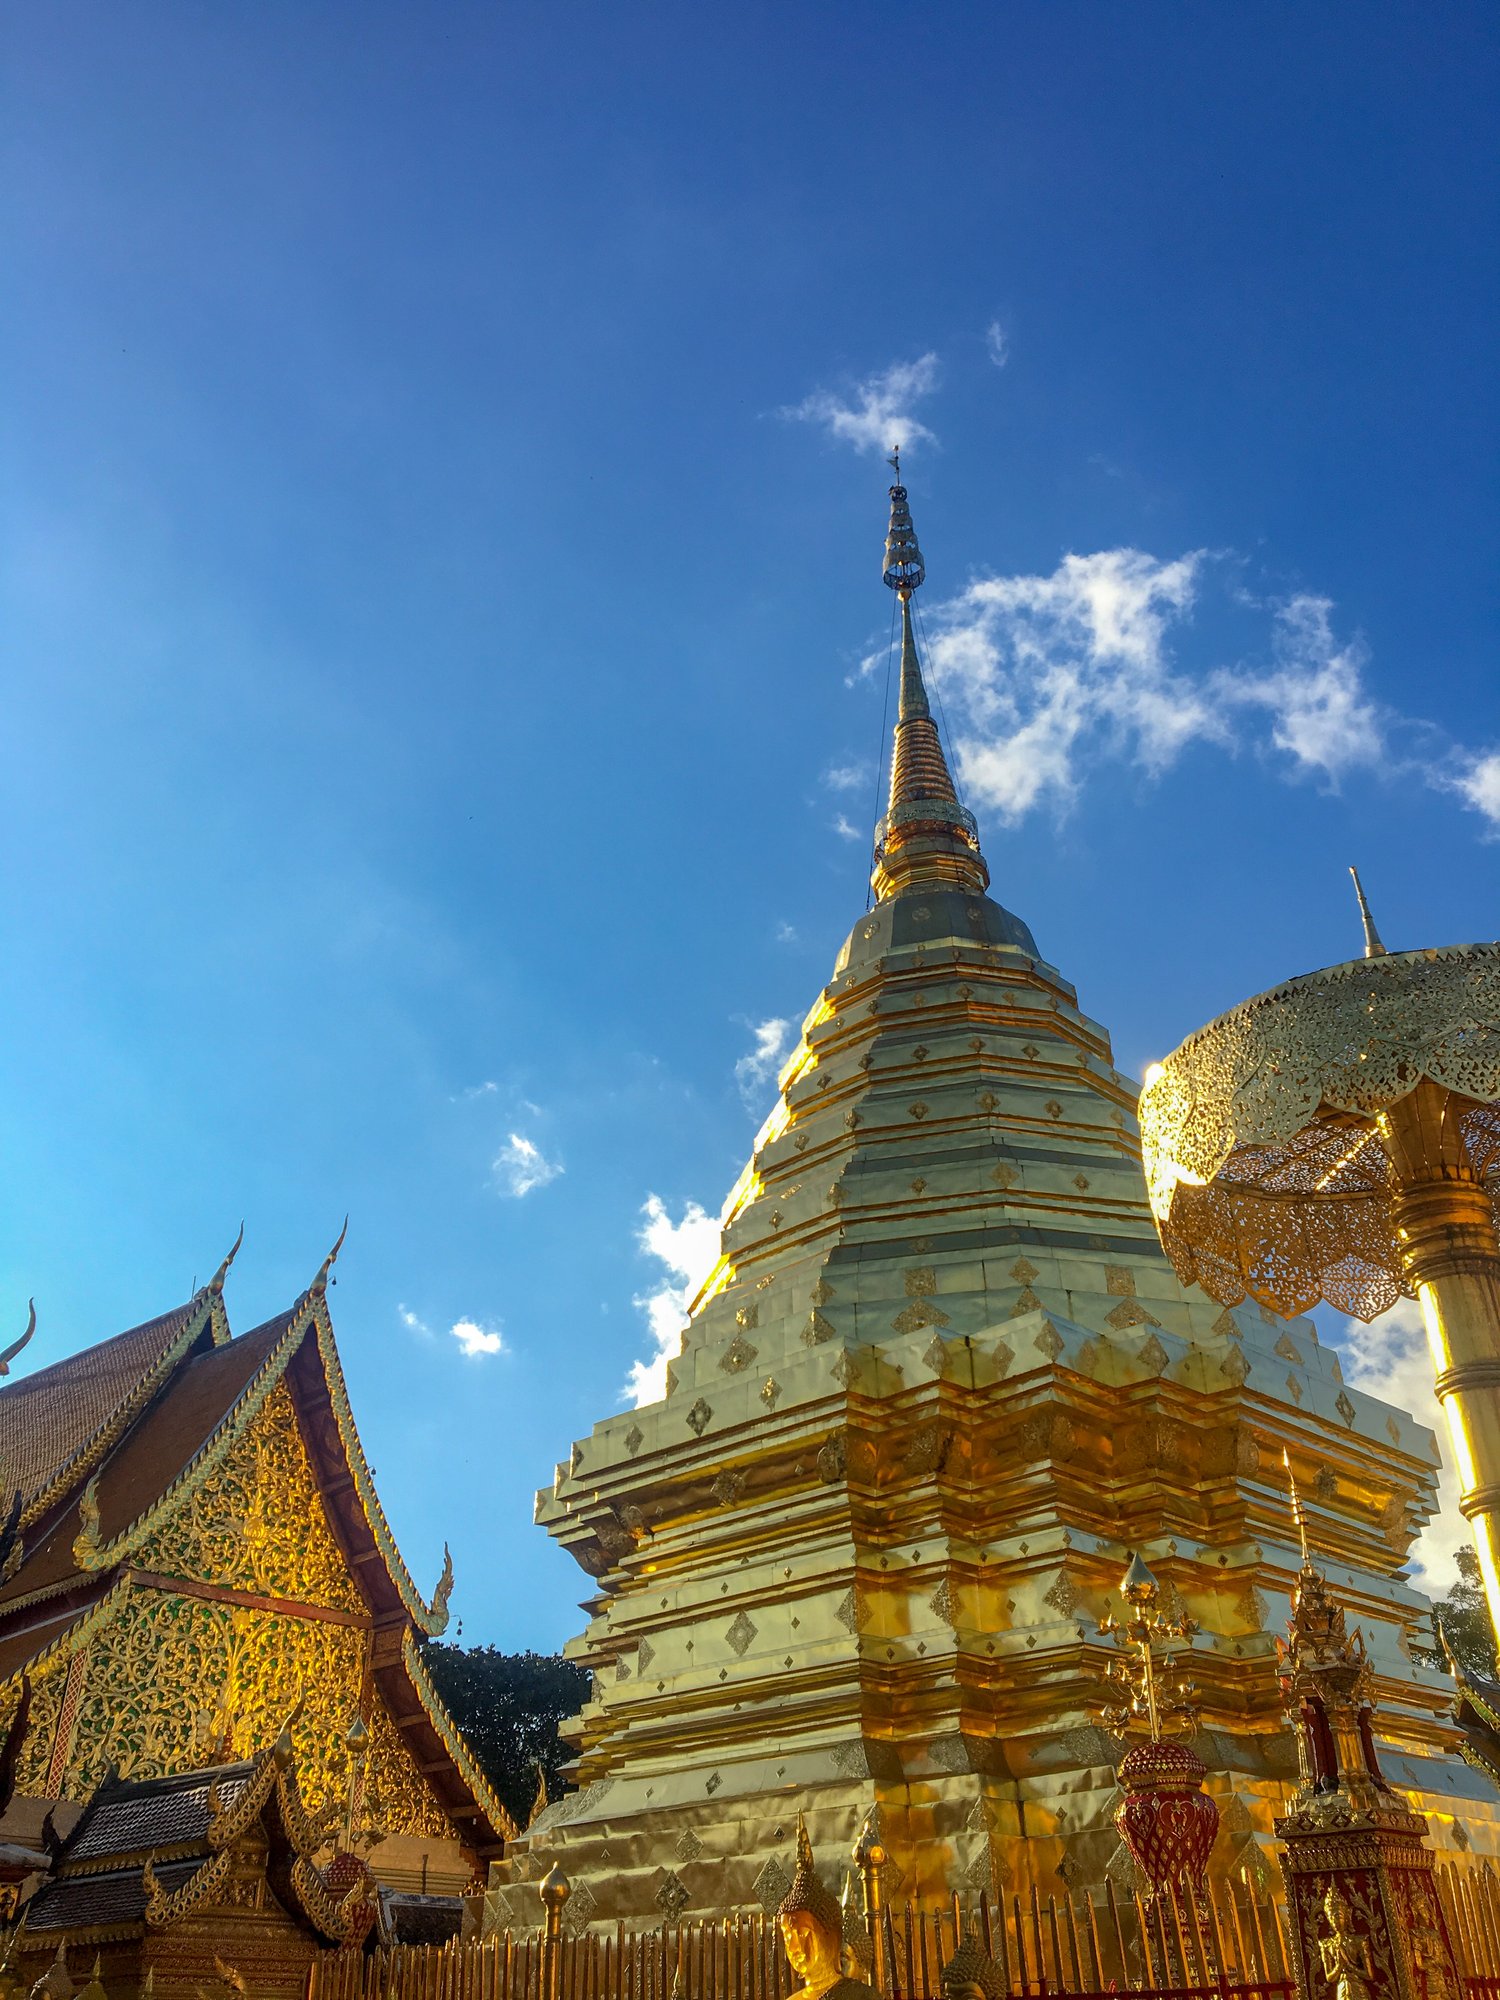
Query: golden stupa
940, 1385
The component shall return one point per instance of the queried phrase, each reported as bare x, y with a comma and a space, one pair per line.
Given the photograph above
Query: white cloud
845, 829
520, 1165
846, 777
786, 933
1479, 785
770, 1044
997, 343
1390, 1358
474, 1338
1320, 713
1047, 677
878, 411
689, 1249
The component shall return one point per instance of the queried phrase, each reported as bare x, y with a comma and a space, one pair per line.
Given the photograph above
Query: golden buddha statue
812, 1930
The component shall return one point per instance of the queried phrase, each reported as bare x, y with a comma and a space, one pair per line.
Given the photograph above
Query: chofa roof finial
15, 1347
1373, 947
320, 1283
216, 1282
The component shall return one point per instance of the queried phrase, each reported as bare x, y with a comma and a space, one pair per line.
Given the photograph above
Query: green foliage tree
508, 1706
1465, 1620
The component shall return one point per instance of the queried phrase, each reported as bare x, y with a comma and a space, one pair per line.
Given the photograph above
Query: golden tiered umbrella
1338, 1138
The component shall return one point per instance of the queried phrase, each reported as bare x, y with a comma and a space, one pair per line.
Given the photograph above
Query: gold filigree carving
258, 1524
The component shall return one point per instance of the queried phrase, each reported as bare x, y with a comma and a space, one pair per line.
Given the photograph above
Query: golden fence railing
1044, 1946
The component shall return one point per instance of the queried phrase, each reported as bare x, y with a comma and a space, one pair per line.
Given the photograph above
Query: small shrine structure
193, 1882
1366, 1917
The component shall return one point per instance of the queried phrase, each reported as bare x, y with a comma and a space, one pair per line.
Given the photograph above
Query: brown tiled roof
154, 1813
76, 1902
47, 1418
201, 1393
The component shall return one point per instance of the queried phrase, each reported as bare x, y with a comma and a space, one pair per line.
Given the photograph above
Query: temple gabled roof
136, 1425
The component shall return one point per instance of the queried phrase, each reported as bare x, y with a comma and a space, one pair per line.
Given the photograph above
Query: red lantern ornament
1166, 1819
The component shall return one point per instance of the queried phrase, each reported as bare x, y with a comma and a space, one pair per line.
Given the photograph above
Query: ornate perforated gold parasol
1338, 1138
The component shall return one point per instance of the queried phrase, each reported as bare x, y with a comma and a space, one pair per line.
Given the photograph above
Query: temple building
940, 1384
195, 1560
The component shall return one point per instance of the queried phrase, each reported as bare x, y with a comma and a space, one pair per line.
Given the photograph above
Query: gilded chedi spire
926, 837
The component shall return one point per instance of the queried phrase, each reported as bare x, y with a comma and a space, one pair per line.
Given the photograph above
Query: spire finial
1373, 947
926, 837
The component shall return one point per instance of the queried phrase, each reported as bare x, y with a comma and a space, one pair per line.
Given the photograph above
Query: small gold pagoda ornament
1166, 1820
1367, 1923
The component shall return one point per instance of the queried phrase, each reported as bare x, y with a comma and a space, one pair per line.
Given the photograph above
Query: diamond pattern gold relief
700, 1416
1027, 1302
1049, 1342
1130, 1312
748, 1317
1003, 1176
688, 1845
1287, 1348
1234, 1366
741, 1634
1227, 1325
771, 1886
1346, 1408
770, 1390
1119, 1278
728, 1487
822, 1292
1062, 1596
920, 1280
817, 1330
1152, 1354
672, 1897
1023, 1271
918, 1110
918, 1314
737, 1356
635, 1437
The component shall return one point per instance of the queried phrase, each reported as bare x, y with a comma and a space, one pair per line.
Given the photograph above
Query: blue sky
443, 527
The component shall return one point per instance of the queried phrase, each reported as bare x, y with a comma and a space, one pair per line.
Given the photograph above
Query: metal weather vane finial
1373, 947
904, 569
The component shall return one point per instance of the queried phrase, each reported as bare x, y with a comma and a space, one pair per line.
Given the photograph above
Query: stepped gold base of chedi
941, 1383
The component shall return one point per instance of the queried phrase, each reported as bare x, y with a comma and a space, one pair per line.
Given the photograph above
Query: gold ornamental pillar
1445, 1228
1338, 1139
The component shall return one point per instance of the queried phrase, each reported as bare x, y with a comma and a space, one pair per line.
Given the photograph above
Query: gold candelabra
1152, 1701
